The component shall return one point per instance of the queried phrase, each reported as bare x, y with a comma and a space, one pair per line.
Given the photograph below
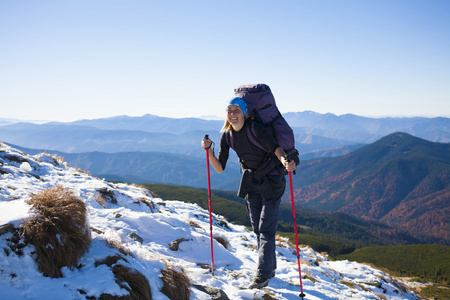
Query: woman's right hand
206, 143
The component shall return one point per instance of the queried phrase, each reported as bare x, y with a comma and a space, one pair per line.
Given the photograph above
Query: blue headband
239, 102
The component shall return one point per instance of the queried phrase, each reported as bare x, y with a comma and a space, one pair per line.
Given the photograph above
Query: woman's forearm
215, 163
279, 152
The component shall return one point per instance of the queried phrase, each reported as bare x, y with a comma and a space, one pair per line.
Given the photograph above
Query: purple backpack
263, 109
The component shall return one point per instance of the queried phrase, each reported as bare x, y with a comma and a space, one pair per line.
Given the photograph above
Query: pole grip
207, 138
288, 158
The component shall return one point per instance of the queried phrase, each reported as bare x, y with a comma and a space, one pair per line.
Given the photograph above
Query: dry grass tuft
269, 295
381, 296
59, 229
194, 224
149, 203
109, 260
153, 194
132, 281
310, 277
56, 159
118, 246
347, 283
402, 287
100, 199
176, 284
128, 279
83, 171
59, 160
15, 158
137, 284
363, 287
281, 241
147, 191
224, 223
222, 241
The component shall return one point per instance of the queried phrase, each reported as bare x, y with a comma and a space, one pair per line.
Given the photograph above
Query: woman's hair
226, 126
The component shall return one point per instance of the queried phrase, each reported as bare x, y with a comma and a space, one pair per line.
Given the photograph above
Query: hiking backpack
262, 108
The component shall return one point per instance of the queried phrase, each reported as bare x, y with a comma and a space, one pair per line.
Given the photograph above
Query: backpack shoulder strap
229, 138
252, 136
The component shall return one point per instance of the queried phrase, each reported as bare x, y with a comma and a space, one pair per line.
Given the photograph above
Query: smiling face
235, 117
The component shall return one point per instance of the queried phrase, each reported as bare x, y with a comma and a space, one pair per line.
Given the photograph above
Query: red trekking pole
302, 295
209, 204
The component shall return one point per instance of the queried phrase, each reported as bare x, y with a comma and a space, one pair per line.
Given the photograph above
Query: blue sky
69, 60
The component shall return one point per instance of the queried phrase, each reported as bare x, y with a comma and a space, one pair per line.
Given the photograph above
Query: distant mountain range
359, 129
401, 180
316, 134
135, 140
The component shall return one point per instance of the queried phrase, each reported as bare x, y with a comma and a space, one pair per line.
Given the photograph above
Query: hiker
262, 183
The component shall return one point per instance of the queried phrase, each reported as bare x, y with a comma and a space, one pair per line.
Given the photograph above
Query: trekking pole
302, 295
209, 204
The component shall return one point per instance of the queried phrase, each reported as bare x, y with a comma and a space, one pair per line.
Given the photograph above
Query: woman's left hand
288, 165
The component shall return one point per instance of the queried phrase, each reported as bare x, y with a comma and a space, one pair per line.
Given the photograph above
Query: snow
158, 224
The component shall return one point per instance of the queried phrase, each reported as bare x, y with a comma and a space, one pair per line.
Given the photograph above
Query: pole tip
302, 295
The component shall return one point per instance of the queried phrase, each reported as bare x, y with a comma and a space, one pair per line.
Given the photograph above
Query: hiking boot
258, 283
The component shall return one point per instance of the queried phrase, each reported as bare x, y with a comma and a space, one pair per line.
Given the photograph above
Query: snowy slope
158, 224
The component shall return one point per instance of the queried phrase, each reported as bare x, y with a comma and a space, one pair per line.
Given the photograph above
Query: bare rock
174, 245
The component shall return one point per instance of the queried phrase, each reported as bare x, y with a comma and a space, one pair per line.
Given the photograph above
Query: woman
262, 183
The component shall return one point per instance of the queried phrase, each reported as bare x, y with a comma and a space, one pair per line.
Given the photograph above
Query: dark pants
264, 218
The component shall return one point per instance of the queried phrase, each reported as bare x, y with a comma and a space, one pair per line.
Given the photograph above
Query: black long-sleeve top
250, 155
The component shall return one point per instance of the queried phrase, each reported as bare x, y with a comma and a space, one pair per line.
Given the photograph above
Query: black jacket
250, 155
258, 166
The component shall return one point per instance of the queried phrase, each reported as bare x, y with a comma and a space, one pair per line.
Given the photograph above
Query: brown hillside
400, 180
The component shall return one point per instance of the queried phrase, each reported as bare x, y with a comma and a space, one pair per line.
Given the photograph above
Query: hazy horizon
211, 117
